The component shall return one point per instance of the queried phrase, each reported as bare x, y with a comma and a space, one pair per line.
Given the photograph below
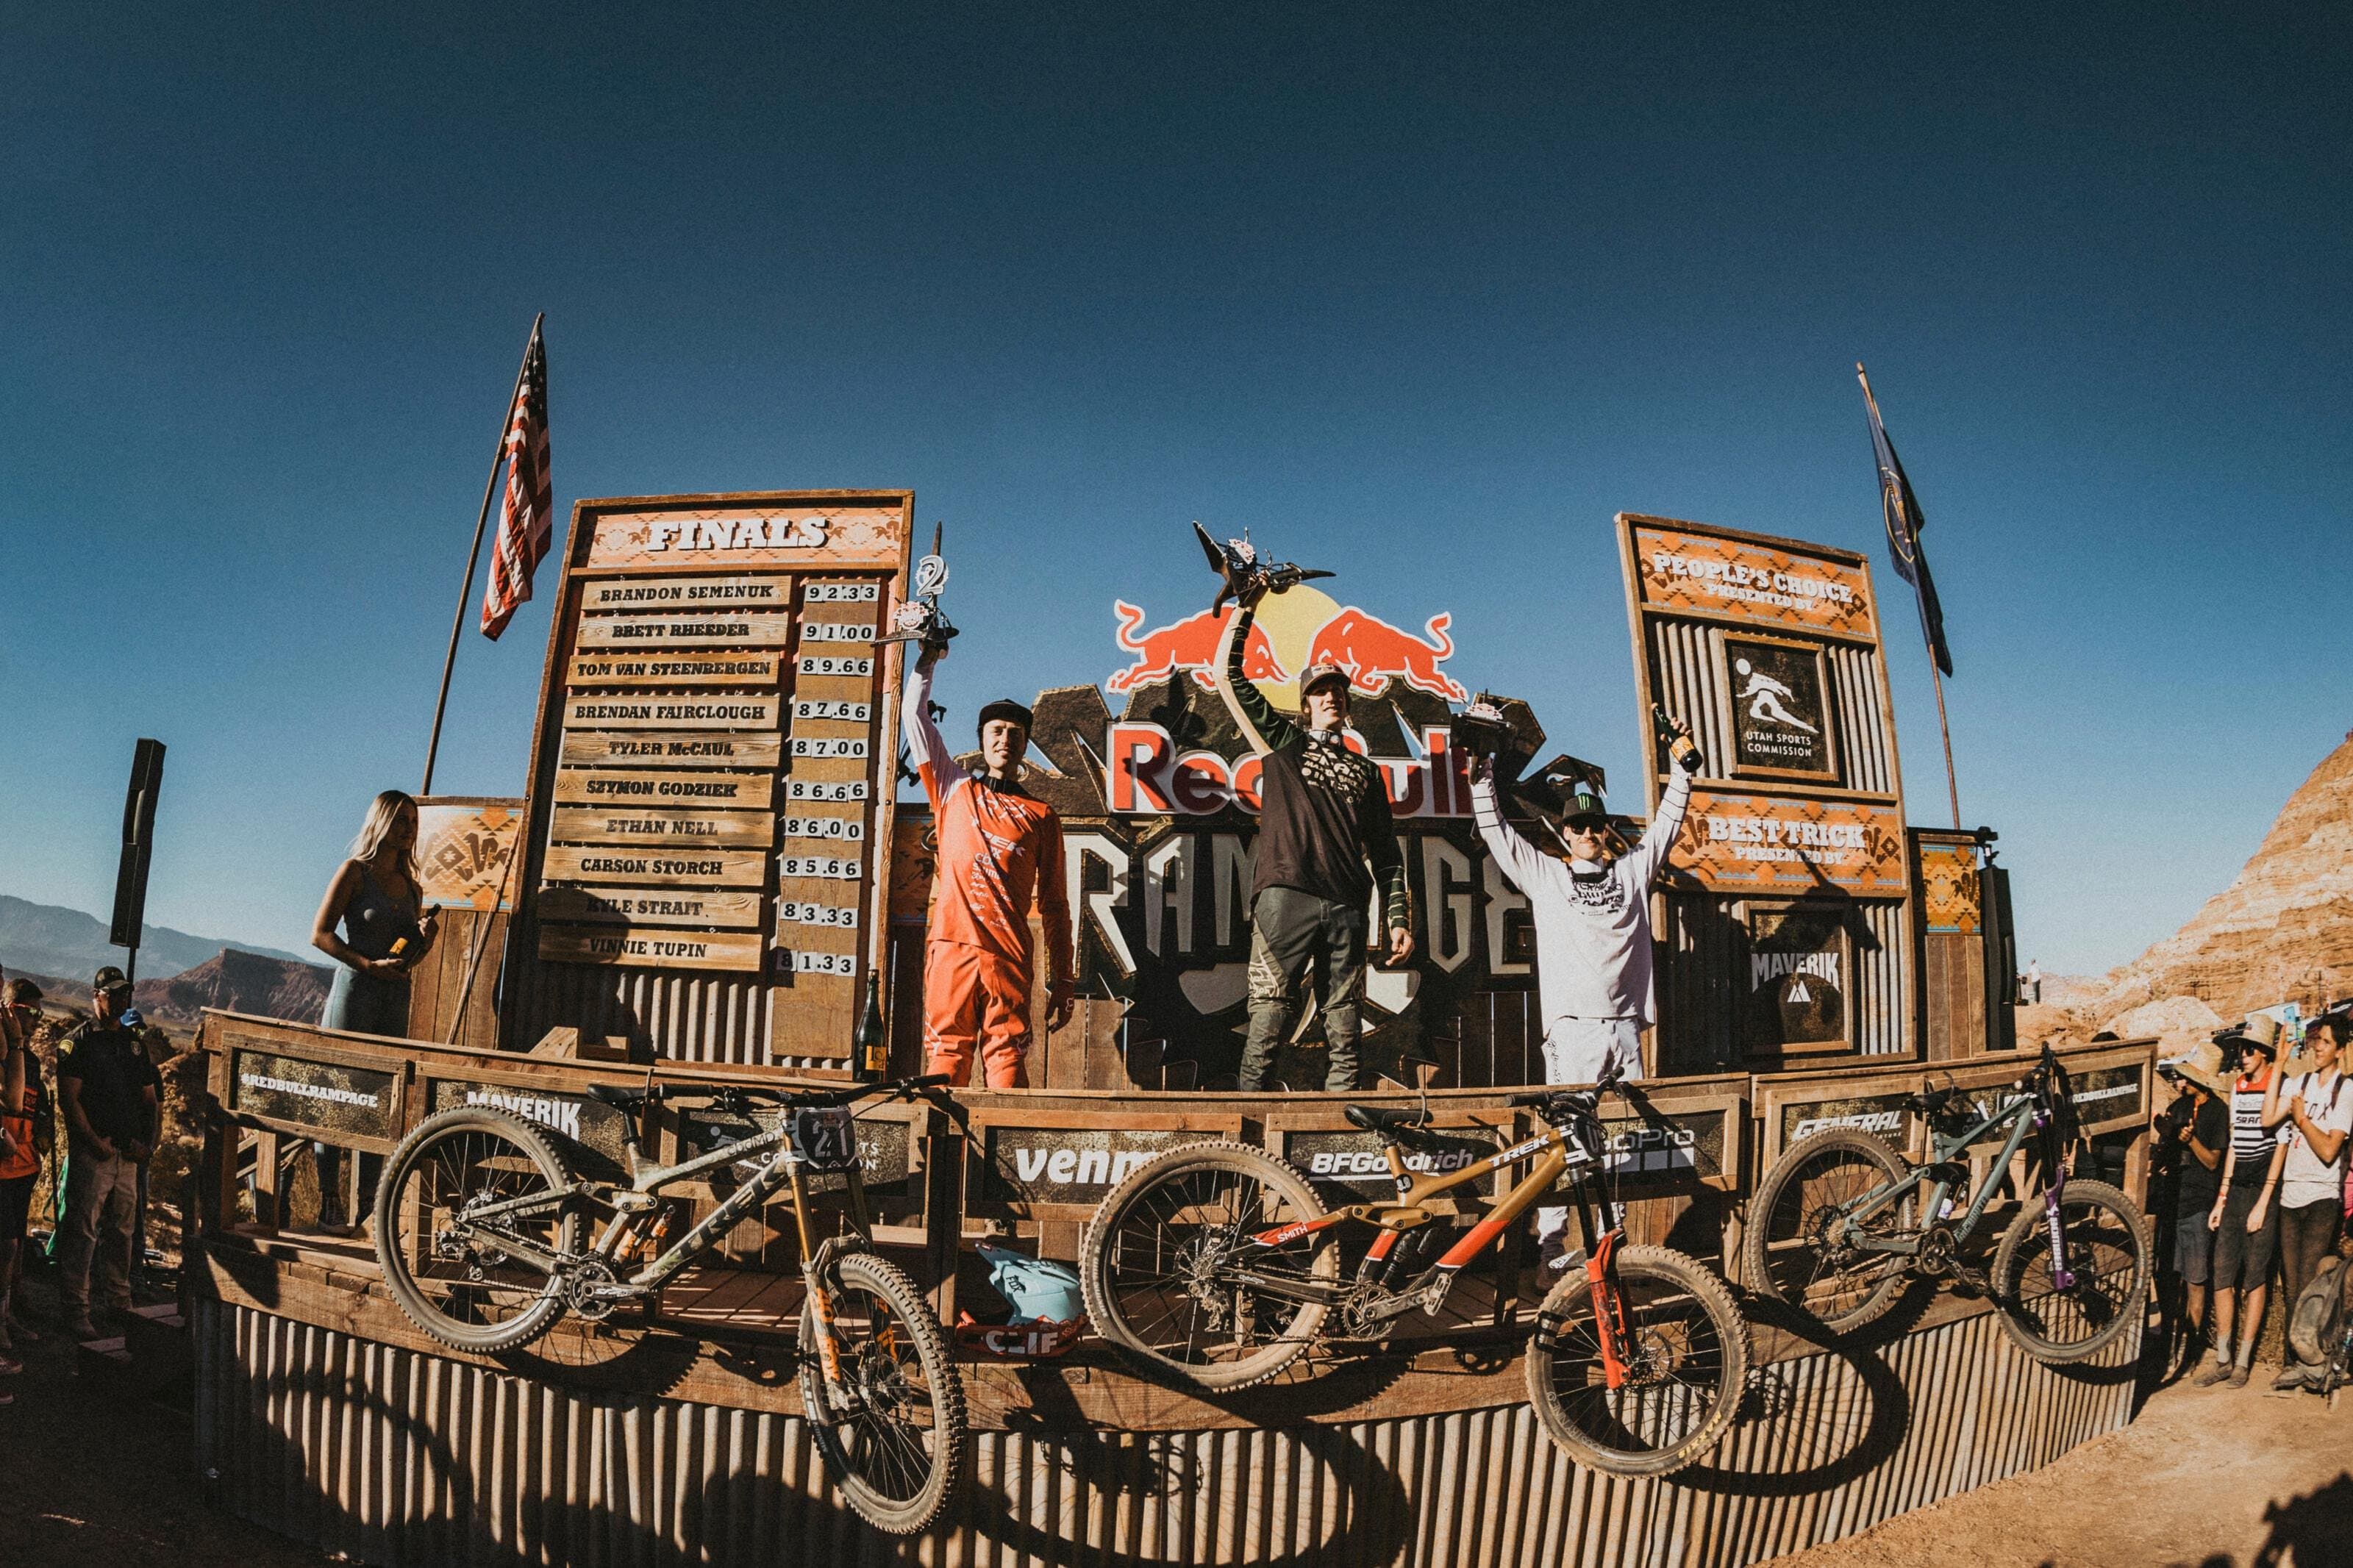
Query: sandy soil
2205, 1478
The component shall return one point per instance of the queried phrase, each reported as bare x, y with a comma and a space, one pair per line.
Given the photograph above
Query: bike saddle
621, 1098
1379, 1119
1929, 1101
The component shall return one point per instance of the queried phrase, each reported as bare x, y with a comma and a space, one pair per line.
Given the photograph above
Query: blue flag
1901, 510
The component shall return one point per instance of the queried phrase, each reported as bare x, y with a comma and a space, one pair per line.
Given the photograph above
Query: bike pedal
1972, 1281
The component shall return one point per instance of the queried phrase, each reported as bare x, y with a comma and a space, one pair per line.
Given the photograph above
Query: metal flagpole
1951, 788
1936, 673
466, 594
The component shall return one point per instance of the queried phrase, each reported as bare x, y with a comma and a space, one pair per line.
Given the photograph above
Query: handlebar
658, 1093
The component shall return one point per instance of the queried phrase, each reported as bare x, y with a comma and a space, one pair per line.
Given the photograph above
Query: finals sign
1151, 772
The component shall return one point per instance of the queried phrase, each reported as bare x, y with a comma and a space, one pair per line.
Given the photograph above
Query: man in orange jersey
1000, 850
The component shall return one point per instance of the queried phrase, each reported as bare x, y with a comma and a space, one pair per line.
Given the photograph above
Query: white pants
1575, 1051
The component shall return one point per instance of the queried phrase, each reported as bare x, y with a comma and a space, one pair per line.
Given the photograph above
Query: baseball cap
1584, 803
110, 978
1322, 674
1006, 708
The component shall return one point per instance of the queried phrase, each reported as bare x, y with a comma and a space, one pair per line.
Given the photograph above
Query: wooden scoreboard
711, 776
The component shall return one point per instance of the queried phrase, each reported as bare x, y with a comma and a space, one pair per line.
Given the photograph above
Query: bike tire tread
938, 1361
1754, 1241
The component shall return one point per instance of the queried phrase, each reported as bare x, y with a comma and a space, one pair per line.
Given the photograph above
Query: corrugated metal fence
392, 1456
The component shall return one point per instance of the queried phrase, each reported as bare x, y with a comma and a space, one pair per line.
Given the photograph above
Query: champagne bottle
873, 1057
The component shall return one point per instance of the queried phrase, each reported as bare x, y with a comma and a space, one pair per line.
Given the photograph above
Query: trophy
1241, 570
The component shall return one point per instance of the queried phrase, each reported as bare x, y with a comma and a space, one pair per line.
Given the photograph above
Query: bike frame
2025, 1111
1554, 1151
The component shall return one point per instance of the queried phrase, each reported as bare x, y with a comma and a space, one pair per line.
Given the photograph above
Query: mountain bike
1842, 1220
1216, 1264
479, 1226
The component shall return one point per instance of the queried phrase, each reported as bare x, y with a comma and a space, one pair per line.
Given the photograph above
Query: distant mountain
45, 939
240, 983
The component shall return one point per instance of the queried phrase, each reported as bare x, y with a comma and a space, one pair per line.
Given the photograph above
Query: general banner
1777, 844
338, 1101
1680, 570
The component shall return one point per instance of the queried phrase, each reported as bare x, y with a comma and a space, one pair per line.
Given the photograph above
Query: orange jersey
1000, 851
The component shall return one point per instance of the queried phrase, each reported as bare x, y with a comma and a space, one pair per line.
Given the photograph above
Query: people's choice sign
1751, 582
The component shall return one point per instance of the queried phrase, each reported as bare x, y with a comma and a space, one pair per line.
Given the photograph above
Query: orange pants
976, 998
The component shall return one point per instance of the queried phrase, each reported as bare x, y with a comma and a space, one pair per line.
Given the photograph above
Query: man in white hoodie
1592, 914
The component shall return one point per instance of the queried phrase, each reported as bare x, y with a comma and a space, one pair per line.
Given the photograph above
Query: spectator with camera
2312, 1114
2244, 1217
2193, 1139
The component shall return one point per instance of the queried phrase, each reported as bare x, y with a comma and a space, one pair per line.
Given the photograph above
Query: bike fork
814, 1270
2061, 1277
1604, 1280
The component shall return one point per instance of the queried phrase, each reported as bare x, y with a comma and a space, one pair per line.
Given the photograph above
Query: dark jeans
2307, 1235
1296, 940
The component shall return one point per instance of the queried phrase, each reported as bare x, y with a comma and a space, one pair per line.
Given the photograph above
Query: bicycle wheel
2107, 1251
451, 1274
895, 1446
1686, 1366
1793, 1249
1159, 1262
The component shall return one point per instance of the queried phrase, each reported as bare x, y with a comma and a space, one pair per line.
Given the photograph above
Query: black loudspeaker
138, 847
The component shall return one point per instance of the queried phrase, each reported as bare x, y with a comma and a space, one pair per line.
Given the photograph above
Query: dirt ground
2205, 1478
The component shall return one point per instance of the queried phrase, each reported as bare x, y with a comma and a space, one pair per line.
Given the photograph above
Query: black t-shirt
2212, 1127
113, 1068
1324, 812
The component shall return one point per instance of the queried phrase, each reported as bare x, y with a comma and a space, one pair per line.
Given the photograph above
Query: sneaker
10, 1366
2219, 1372
81, 1328
21, 1329
2241, 1373
1552, 1257
2290, 1377
7, 1343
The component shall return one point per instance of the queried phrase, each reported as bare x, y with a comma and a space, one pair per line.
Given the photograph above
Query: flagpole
1936, 673
473, 556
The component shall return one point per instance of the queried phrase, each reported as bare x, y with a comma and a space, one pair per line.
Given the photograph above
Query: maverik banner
1160, 808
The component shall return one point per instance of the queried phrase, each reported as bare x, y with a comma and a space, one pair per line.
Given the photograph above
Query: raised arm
1518, 858
935, 762
1261, 725
1659, 838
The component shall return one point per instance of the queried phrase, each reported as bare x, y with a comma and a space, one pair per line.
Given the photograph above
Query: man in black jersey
1324, 837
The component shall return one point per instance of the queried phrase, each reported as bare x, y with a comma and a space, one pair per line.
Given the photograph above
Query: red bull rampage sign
1151, 772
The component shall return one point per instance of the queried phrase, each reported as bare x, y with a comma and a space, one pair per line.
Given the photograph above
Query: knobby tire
896, 1475
1779, 1256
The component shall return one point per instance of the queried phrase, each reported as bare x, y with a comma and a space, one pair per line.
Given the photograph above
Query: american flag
526, 529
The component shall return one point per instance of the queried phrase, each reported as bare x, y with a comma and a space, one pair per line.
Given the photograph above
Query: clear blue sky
1424, 293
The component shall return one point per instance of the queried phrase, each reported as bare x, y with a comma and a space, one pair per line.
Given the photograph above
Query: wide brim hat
2201, 1064
2260, 1030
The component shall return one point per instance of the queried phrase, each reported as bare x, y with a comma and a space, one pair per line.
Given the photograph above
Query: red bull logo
1293, 630
1190, 643
1375, 652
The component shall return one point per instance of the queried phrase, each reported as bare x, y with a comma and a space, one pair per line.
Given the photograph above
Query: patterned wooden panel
1708, 573
1950, 897
1782, 844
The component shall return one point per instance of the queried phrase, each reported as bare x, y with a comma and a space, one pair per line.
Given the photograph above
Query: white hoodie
1593, 921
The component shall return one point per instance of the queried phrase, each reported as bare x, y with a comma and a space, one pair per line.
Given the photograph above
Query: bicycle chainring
1939, 1254
588, 1289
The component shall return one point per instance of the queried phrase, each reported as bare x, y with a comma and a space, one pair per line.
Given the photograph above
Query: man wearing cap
2197, 1140
1592, 915
1000, 851
2244, 1217
111, 1098
2313, 1115
1325, 838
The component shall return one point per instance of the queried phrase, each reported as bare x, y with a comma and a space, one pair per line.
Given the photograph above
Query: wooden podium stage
322, 1414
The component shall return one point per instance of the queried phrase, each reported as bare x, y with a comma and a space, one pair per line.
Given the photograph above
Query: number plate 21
826, 1139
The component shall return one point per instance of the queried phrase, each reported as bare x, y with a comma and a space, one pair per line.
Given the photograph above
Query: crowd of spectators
2253, 1159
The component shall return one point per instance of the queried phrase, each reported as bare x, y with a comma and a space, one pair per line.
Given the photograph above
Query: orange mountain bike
1216, 1264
